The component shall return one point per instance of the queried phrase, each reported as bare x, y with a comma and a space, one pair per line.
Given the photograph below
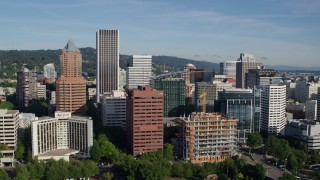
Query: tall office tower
311, 109
258, 77
113, 109
228, 68
107, 61
208, 137
212, 90
26, 87
71, 86
139, 71
243, 105
186, 76
49, 71
245, 62
273, 108
8, 135
144, 120
60, 136
174, 95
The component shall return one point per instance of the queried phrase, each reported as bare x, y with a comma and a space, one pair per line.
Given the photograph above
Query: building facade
228, 68
174, 95
113, 109
212, 89
243, 104
49, 71
273, 108
60, 136
305, 130
258, 77
139, 71
144, 120
8, 135
26, 87
71, 86
245, 62
107, 61
311, 109
208, 137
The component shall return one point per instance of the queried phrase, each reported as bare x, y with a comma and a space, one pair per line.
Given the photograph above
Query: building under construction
208, 137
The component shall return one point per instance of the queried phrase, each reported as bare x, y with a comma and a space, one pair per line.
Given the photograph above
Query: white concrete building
60, 136
122, 79
273, 108
139, 71
41, 91
311, 109
113, 109
49, 71
306, 91
308, 131
8, 135
25, 120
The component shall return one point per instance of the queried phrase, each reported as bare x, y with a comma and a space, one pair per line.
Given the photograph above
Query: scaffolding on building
208, 137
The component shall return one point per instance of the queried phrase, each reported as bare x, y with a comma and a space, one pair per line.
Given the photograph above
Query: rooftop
60, 152
71, 47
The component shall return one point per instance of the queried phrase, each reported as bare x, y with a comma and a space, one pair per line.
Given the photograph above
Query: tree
260, 172
38, 106
255, 140
19, 150
292, 163
301, 157
4, 175
6, 105
241, 164
177, 170
287, 176
95, 151
108, 150
168, 152
229, 167
315, 157
22, 172
108, 176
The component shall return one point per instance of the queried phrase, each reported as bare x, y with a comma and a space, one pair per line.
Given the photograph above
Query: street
271, 171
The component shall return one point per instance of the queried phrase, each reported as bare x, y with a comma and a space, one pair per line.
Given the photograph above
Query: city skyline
276, 32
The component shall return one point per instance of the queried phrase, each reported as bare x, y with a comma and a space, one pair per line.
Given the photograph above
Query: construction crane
203, 97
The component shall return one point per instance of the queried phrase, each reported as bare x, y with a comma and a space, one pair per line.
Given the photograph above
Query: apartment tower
273, 108
71, 86
144, 120
107, 61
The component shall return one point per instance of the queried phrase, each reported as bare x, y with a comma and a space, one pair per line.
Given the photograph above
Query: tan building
71, 86
8, 135
208, 137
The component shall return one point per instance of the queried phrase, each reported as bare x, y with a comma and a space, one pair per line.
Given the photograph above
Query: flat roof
59, 152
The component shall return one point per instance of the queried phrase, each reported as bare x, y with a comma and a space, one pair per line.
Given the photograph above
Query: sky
276, 32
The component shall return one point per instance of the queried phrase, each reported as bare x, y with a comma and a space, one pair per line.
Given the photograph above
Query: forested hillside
12, 60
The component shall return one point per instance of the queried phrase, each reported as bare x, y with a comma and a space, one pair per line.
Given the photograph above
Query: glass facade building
243, 104
174, 95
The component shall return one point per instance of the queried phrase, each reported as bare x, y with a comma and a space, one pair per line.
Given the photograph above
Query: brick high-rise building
107, 61
71, 86
144, 120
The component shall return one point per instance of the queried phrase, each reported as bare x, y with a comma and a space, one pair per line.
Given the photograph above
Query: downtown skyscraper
71, 86
107, 42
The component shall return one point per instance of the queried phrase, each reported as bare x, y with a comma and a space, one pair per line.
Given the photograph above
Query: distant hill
12, 60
